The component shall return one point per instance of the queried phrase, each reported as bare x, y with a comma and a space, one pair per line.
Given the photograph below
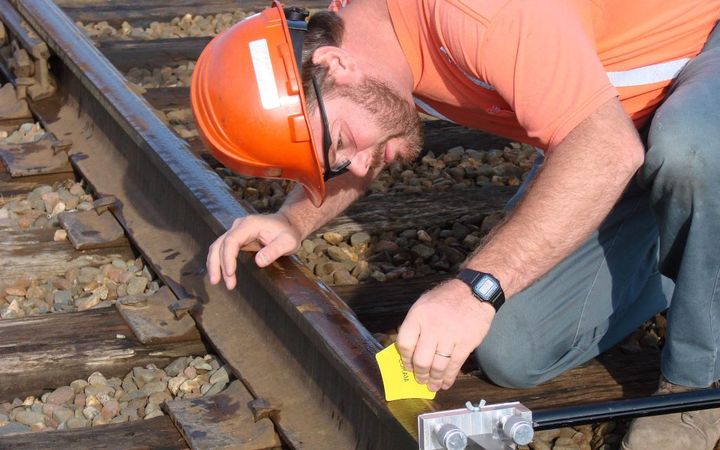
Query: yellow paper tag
399, 383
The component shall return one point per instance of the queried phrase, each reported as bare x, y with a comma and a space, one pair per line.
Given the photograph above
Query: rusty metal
28, 54
151, 320
285, 335
34, 158
89, 229
183, 306
222, 421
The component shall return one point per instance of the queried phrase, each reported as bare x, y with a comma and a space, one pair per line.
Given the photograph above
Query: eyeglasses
334, 168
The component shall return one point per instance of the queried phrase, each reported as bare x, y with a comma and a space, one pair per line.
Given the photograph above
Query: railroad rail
303, 352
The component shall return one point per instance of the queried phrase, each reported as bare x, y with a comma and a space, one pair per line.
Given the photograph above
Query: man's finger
453, 368
282, 245
423, 356
440, 363
407, 339
212, 262
235, 238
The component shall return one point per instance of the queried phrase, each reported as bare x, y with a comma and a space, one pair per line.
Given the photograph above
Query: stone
62, 297
12, 428
540, 445
12, 311
343, 277
79, 401
110, 409
75, 422
491, 222
16, 291
77, 189
174, 383
114, 382
423, 251
190, 372
122, 418
341, 254
50, 200
177, 366
159, 398
87, 302
35, 293
471, 241
190, 386
386, 246
328, 268
98, 390
360, 240
332, 237
547, 435
152, 415
88, 274
153, 387
62, 396
90, 412
216, 388
137, 285
220, 375
29, 418
423, 236
203, 366
307, 246
62, 414
79, 385
48, 408
97, 379
128, 384
142, 375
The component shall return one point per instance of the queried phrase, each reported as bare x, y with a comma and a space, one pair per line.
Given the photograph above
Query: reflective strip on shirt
655, 73
427, 109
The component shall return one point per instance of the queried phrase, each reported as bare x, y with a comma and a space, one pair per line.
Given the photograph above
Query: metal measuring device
489, 427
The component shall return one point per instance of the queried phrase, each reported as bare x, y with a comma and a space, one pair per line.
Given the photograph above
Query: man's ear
341, 65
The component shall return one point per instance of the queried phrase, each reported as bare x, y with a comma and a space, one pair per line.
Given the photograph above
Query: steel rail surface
285, 334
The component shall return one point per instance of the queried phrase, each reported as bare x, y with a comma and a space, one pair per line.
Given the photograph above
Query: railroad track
302, 353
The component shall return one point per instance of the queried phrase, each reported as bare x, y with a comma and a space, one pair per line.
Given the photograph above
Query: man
609, 230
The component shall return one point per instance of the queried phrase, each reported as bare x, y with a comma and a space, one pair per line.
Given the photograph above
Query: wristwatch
484, 287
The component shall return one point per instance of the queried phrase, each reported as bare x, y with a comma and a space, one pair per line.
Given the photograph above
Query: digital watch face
486, 287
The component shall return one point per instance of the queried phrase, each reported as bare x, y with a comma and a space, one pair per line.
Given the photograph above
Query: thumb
280, 246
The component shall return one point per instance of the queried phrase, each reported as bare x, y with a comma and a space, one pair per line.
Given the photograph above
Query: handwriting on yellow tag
399, 383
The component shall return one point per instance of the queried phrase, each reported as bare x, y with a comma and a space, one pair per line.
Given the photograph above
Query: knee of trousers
508, 363
683, 153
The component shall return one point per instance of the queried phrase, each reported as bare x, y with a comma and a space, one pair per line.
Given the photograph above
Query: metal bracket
490, 427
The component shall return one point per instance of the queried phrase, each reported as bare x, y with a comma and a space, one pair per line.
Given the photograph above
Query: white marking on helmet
264, 75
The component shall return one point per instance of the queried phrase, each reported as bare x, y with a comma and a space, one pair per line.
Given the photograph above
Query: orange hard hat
249, 104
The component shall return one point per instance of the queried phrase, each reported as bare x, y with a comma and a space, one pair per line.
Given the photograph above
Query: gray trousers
658, 248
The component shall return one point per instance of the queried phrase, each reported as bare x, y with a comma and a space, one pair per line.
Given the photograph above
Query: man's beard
392, 114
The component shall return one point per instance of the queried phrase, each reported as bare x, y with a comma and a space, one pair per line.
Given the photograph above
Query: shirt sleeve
542, 61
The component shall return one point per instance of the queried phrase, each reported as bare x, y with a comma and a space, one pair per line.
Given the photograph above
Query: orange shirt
532, 70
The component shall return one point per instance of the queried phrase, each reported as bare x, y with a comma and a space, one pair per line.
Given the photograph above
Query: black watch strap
484, 287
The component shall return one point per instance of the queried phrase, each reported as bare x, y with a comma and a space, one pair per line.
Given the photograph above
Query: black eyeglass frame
329, 172
297, 26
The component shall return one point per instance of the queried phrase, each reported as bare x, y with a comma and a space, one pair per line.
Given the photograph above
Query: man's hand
271, 235
440, 331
